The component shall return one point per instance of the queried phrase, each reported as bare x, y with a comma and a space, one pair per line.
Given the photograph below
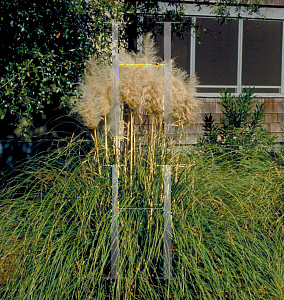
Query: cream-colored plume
139, 87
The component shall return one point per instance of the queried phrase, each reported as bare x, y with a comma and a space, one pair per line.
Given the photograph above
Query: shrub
44, 48
241, 123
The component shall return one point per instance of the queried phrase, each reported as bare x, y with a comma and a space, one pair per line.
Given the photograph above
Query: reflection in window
217, 52
262, 53
214, 90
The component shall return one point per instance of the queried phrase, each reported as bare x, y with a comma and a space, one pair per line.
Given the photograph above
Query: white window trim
282, 67
194, 11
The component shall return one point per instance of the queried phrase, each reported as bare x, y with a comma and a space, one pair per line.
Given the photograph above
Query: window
244, 52
216, 58
262, 45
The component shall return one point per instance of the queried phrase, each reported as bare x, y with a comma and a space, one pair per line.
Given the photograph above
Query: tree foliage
43, 47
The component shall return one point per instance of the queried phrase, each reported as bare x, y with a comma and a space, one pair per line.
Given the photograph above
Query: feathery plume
141, 87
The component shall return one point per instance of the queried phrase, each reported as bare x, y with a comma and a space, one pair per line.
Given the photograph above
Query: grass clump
227, 228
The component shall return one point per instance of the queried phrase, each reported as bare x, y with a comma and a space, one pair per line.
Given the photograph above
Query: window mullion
192, 48
240, 56
282, 67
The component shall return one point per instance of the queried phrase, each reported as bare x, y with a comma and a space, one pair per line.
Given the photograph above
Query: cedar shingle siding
274, 116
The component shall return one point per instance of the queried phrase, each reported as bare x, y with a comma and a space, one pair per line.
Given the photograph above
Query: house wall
273, 121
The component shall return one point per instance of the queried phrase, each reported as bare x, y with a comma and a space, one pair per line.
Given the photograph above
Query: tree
43, 47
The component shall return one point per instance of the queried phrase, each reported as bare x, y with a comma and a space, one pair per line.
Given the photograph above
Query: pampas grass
141, 79
140, 87
95, 93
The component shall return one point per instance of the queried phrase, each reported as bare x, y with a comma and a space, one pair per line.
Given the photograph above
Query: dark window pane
262, 53
214, 90
267, 90
217, 52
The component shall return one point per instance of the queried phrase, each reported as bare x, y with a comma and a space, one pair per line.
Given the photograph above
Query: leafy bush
240, 124
43, 48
